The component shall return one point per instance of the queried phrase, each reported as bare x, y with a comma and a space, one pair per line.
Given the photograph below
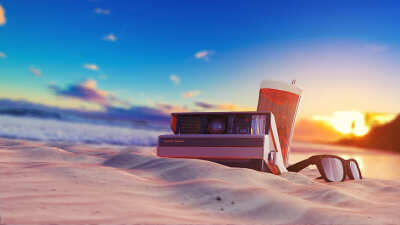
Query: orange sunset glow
354, 122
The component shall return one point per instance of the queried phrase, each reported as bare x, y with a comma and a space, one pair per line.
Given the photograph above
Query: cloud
175, 79
35, 71
376, 48
140, 113
93, 67
204, 55
3, 55
101, 11
87, 91
2, 16
168, 108
136, 113
226, 107
103, 76
232, 107
205, 105
110, 37
191, 94
158, 112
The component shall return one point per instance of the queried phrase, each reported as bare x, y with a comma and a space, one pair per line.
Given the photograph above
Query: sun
346, 122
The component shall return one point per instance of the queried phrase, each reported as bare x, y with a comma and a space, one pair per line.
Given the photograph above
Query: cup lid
283, 86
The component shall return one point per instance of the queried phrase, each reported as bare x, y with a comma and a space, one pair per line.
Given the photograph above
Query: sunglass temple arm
300, 165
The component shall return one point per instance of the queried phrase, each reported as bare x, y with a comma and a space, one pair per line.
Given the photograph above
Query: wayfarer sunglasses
331, 167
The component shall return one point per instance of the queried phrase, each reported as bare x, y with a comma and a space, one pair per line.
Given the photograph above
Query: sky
184, 55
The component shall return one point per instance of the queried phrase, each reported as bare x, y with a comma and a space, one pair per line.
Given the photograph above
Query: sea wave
53, 130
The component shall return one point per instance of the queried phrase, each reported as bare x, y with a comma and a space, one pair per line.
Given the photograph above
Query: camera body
240, 139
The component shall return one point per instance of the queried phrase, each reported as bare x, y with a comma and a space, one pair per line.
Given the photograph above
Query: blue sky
92, 54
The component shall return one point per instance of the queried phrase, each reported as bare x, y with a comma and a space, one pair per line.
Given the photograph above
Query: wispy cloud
87, 91
89, 66
35, 71
134, 112
137, 112
101, 11
110, 37
103, 76
191, 94
175, 79
113, 99
376, 47
205, 105
169, 108
203, 55
226, 107
3, 55
2, 16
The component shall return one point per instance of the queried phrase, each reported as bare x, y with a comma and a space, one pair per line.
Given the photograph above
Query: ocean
69, 131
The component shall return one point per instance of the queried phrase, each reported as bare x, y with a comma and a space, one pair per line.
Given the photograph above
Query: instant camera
257, 140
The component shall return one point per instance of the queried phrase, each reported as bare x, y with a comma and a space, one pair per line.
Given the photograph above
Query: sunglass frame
317, 160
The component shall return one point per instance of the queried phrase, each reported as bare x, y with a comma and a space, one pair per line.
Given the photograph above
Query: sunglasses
331, 167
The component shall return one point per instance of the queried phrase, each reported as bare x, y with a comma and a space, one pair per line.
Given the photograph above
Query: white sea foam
64, 131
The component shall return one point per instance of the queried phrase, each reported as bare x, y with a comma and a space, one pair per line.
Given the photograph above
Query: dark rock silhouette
386, 136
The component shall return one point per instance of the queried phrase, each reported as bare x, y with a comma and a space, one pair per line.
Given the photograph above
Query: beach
89, 89
61, 183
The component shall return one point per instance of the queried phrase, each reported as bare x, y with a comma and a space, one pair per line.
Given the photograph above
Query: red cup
282, 100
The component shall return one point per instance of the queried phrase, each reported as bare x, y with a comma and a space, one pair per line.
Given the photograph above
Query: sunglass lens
355, 172
333, 168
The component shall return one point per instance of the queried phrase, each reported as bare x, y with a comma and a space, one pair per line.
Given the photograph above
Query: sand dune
43, 183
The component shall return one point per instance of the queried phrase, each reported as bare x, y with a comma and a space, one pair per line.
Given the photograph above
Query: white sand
42, 183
